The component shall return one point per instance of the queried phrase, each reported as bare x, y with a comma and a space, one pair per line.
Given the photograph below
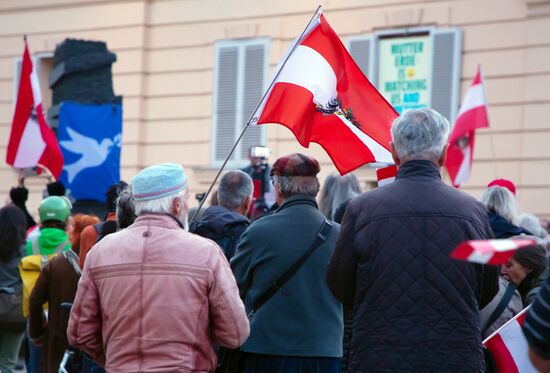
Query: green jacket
49, 240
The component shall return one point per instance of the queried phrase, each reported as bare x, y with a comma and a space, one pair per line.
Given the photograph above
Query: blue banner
90, 137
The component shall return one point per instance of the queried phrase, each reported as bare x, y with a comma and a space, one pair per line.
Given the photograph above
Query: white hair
161, 205
502, 202
420, 134
235, 187
337, 190
292, 185
532, 224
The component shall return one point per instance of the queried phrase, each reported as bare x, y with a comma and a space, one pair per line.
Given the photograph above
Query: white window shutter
255, 63
446, 65
225, 101
361, 49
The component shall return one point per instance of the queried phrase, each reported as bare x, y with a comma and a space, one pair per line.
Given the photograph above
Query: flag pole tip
25, 37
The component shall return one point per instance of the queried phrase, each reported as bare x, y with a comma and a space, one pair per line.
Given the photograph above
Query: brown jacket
88, 237
56, 284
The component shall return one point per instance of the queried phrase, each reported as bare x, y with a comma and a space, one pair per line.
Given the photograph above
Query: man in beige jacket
153, 297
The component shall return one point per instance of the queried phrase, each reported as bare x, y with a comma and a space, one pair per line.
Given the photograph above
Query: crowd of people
330, 279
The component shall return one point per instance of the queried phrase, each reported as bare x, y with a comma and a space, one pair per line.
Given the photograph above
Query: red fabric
51, 157
463, 135
503, 359
386, 172
488, 250
292, 106
505, 184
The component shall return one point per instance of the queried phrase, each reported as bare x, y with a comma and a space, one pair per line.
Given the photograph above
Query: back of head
500, 201
12, 231
55, 188
295, 174
155, 188
336, 190
54, 209
125, 213
420, 134
81, 221
112, 194
234, 189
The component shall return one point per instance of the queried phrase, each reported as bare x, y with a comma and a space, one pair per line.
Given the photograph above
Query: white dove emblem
93, 153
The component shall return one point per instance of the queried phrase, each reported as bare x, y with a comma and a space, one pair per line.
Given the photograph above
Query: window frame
241, 44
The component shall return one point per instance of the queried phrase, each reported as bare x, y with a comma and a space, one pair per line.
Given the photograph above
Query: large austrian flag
322, 96
31, 141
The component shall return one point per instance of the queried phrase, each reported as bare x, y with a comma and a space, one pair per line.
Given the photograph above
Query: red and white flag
321, 95
509, 347
489, 251
31, 141
386, 175
472, 115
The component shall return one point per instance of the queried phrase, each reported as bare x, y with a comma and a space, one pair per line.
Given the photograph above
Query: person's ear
176, 206
443, 157
394, 154
247, 203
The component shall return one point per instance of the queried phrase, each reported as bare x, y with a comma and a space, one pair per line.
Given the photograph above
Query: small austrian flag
489, 251
386, 175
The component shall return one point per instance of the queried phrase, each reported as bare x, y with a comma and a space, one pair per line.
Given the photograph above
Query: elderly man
152, 297
415, 309
299, 328
225, 223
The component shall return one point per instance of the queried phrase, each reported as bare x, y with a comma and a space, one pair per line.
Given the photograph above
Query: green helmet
54, 208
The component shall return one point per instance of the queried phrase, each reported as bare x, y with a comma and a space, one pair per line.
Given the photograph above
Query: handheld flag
489, 251
321, 95
472, 115
509, 347
386, 175
31, 141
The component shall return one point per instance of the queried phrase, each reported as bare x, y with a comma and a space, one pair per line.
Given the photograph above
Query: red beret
505, 184
295, 164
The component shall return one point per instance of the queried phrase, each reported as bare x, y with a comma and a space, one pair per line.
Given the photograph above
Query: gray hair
125, 214
336, 190
420, 134
501, 201
531, 223
161, 205
235, 187
292, 185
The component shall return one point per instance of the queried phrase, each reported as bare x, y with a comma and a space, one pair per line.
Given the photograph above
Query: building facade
191, 72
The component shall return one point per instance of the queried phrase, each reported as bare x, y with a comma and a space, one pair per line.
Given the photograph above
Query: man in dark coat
300, 328
415, 309
226, 222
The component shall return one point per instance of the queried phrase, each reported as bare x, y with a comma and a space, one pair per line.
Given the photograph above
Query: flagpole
268, 90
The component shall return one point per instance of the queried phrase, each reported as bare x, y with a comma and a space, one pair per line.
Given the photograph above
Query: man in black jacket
415, 309
226, 222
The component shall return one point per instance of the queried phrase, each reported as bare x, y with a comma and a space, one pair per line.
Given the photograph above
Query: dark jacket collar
504, 229
218, 219
418, 170
299, 199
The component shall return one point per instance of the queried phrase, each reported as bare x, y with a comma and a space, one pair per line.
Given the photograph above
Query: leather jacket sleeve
84, 329
230, 323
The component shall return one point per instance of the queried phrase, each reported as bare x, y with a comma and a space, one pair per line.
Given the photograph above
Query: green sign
405, 65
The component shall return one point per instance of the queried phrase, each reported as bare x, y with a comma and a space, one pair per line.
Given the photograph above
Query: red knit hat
505, 184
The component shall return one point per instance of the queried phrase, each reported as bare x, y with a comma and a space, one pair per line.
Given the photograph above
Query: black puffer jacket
223, 226
415, 308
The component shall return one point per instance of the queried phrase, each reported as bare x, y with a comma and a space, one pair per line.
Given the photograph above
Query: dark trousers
256, 363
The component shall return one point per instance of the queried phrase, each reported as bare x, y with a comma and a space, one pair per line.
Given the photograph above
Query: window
43, 65
239, 82
413, 67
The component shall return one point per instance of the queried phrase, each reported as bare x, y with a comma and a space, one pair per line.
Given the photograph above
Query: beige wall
165, 52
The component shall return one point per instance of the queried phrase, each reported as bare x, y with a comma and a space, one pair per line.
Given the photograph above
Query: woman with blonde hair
503, 214
337, 191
